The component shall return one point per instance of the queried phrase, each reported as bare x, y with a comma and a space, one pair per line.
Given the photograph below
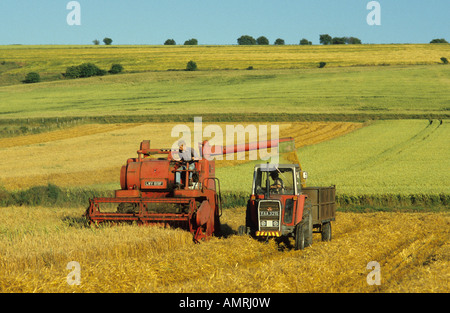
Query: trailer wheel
326, 231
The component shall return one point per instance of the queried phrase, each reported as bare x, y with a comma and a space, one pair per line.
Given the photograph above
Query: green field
389, 91
398, 157
384, 80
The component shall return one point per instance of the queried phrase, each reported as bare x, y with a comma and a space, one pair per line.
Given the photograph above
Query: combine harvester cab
149, 194
282, 206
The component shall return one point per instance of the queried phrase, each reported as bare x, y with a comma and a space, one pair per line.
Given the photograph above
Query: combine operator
187, 156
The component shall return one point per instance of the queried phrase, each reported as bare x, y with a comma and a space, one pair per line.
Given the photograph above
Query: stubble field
37, 243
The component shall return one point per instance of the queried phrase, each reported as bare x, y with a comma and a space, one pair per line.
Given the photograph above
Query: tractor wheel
299, 237
326, 231
308, 228
303, 232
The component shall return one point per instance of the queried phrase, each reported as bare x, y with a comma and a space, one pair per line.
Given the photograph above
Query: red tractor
282, 206
149, 193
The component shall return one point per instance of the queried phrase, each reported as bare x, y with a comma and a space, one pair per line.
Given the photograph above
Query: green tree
279, 42
107, 41
32, 77
191, 66
84, 70
353, 41
96, 42
262, 40
191, 42
338, 41
72, 72
170, 42
89, 69
442, 40
246, 40
325, 39
305, 41
116, 69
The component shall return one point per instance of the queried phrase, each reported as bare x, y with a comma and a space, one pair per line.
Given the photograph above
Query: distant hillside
50, 61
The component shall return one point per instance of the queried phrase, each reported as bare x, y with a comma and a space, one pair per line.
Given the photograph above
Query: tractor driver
278, 184
187, 156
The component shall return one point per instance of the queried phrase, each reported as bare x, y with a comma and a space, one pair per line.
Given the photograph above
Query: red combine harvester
150, 195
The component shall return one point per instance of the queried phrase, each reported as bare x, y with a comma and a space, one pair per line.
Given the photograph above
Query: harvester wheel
326, 231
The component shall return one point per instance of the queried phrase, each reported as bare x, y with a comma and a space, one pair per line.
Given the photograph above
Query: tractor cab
280, 179
276, 204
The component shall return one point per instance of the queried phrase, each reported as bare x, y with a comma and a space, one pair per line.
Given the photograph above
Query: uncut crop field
51, 61
382, 157
390, 91
385, 157
92, 154
37, 243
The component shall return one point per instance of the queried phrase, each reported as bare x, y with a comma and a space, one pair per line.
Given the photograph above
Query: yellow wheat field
93, 154
77, 131
55, 59
36, 244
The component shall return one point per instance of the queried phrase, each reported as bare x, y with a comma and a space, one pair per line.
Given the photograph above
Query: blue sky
221, 21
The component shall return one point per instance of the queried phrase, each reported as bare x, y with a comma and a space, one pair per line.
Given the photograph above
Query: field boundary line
227, 117
397, 149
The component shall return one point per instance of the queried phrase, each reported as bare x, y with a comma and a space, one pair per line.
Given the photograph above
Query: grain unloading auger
149, 193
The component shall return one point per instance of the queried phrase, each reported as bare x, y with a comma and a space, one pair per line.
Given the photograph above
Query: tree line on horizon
324, 39
262, 40
246, 40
